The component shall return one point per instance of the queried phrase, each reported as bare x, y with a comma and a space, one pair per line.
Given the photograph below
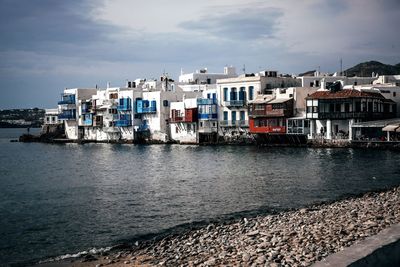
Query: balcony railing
123, 123
206, 101
67, 116
151, 109
234, 103
124, 107
208, 116
67, 99
354, 115
240, 123
271, 113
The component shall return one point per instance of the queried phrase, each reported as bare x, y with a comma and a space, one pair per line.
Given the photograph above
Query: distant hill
366, 69
307, 73
21, 118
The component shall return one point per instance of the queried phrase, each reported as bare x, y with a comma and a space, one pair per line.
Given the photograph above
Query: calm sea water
57, 199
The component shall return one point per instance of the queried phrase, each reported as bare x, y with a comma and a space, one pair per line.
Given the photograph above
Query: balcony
354, 115
207, 101
124, 104
208, 116
86, 108
67, 115
146, 106
240, 123
124, 107
67, 100
268, 129
271, 113
123, 123
234, 103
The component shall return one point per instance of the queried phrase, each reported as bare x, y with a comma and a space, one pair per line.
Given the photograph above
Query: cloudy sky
47, 45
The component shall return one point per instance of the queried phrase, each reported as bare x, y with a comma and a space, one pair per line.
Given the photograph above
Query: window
225, 115
213, 124
233, 94
242, 93
208, 96
233, 116
201, 124
347, 107
315, 110
189, 127
394, 94
225, 94
251, 92
48, 119
165, 103
317, 83
311, 84
242, 115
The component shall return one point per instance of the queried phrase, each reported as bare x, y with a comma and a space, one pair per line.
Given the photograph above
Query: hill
21, 118
366, 69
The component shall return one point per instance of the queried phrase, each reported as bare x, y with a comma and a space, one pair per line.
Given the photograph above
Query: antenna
341, 67
244, 68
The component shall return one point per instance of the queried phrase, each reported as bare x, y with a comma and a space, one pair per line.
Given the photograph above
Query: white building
153, 108
325, 80
235, 93
51, 117
69, 107
183, 121
204, 77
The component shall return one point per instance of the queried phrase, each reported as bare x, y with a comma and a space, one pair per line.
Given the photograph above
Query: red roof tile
347, 93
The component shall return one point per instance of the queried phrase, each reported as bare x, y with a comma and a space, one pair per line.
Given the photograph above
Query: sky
49, 45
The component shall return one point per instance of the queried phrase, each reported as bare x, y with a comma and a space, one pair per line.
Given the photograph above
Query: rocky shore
292, 238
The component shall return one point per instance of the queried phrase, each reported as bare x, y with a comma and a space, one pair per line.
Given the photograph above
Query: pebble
292, 238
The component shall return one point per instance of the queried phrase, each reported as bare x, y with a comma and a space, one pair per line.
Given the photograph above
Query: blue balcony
86, 108
67, 99
146, 106
124, 104
206, 101
123, 123
210, 116
87, 120
67, 115
124, 120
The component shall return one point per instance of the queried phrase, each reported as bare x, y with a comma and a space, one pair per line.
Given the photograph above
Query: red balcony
270, 129
190, 115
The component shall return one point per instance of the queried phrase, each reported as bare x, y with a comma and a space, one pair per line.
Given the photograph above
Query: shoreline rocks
292, 238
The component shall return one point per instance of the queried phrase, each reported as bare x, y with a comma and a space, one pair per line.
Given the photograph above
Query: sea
58, 199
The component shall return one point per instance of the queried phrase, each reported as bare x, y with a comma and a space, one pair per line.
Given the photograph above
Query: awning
391, 128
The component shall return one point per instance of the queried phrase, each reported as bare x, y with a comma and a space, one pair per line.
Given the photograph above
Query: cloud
246, 24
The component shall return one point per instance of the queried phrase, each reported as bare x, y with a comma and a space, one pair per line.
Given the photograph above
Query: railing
234, 103
206, 101
351, 115
270, 113
124, 107
67, 99
151, 109
66, 116
208, 116
87, 122
177, 119
268, 129
240, 123
123, 123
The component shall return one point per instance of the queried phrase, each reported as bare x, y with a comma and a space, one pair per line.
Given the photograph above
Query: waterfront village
208, 108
